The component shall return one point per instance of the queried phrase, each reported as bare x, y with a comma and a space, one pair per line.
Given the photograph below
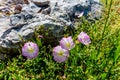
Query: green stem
106, 2
105, 26
108, 74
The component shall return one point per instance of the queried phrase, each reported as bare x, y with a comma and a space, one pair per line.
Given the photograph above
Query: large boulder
55, 15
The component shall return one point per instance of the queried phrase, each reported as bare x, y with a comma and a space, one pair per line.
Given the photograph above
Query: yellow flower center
60, 53
30, 50
68, 45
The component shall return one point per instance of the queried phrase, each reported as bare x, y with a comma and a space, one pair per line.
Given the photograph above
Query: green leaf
103, 76
116, 55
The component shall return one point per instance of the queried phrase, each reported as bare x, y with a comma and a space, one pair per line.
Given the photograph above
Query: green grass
98, 61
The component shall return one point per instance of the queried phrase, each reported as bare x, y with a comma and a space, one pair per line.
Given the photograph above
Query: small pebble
18, 9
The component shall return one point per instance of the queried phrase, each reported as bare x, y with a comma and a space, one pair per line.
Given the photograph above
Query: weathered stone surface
18, 1
90, 8
54, 15
41, 3
31, 8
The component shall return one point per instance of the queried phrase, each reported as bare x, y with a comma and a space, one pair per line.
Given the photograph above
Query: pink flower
67, 43
40, 36
30, 50
60, 54
84, 38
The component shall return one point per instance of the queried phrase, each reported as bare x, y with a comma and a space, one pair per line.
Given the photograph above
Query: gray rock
41, 3
30, 8
54, 17
90, 8
18, 1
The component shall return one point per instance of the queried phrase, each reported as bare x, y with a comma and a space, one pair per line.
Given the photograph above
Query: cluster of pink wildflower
60, 52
